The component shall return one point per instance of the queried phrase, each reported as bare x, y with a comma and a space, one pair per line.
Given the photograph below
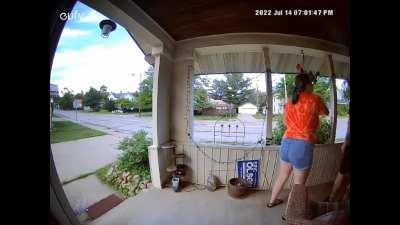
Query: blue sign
248, 169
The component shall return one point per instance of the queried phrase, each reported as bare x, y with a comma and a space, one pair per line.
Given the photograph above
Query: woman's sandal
275, 203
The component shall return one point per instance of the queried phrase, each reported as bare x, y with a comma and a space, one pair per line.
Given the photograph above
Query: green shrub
342, 110
278, 131
323, 132
134, 155
131, 172
109, 105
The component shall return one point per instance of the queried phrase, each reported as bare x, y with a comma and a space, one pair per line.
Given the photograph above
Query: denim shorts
297, 152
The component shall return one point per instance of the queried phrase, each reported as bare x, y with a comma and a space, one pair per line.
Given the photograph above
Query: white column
268, 81
160, 158
333, 102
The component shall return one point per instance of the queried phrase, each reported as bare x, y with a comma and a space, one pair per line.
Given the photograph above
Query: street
252, 129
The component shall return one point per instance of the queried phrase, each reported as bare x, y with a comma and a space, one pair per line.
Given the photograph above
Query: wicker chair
301, 211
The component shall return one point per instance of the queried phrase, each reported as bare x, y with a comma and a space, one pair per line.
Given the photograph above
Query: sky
84, 59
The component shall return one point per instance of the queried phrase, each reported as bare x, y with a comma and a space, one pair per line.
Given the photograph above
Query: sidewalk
74, 158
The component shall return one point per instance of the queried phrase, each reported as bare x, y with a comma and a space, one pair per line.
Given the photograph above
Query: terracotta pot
237, 187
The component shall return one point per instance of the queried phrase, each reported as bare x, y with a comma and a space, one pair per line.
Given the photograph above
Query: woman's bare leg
300, 176
284, 171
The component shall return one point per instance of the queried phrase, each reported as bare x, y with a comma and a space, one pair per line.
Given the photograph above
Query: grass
205, 117
77, 178
69, 131
102, 173
144, 114
260, 116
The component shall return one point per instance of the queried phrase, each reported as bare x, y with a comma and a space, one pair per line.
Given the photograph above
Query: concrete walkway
198, 207
85, 192
74, 158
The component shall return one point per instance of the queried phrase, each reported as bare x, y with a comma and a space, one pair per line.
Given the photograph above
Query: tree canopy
235, 89
322, 87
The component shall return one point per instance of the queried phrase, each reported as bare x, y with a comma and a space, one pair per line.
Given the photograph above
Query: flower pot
237, 187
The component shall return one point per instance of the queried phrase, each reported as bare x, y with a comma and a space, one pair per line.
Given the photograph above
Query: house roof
121, 94
218, 103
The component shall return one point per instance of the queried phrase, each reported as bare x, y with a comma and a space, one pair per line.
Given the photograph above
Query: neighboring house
218, 107
248, 108
121, 95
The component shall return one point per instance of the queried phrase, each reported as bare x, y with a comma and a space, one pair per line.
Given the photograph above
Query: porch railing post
333, 102
268, 86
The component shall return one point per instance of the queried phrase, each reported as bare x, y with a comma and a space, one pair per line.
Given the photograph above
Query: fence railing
221, 161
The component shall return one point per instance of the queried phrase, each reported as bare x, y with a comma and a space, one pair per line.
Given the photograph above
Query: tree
145, 94
79, 96
125, 104
93, 98
200, 100
200, 83
109, 105
237, 89
105, 102
218, 88
322, 87
66, 101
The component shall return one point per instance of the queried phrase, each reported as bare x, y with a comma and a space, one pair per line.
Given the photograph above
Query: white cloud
92, 17
68, 32
97, 65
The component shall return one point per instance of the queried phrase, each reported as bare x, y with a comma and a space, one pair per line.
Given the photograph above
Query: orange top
302, 118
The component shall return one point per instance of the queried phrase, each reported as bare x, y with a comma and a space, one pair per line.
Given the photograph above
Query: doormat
96, 210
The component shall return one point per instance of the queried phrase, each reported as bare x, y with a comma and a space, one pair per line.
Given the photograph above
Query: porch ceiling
184, 19
250, 59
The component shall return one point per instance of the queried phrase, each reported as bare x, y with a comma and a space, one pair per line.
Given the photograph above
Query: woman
301, 118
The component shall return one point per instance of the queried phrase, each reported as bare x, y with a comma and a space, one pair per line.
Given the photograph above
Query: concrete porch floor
198, 207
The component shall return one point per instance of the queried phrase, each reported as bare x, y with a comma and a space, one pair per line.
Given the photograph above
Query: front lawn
260, 116
69, 131
144, 114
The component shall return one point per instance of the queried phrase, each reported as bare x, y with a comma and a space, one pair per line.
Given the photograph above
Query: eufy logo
75, 15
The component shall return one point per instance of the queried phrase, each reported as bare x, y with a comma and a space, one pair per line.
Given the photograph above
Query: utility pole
257, 95
140, 102
284, 83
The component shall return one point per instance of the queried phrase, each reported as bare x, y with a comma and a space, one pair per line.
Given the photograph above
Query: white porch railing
221, 160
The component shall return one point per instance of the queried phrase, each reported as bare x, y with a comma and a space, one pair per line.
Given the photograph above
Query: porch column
333, 102
268, 86
160, 158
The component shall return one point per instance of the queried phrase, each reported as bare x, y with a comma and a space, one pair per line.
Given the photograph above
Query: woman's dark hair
300, 83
